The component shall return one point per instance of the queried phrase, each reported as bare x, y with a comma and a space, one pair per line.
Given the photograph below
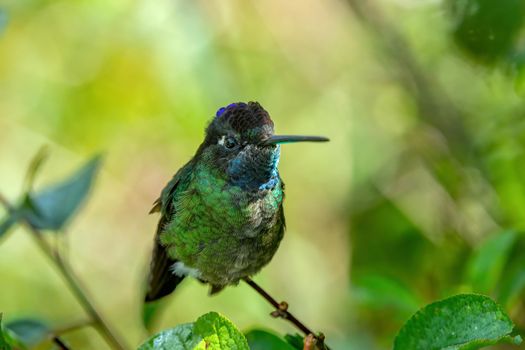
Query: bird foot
282, 311
314, 342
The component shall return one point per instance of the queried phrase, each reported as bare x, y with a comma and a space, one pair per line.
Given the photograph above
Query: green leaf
51, 208
262, 340
180, 337
486, 29
6, 224
4, 341
512, 282
486, 265
150, 312
295, 340
8, 340
24, 210
219, 333
467, 321
380, 291
211, 332
29, 331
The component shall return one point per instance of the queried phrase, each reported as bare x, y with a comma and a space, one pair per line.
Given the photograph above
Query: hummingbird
221, 215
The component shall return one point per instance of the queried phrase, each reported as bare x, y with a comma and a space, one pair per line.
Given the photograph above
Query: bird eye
230, 142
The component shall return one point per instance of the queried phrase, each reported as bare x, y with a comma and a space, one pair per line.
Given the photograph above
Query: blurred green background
419, 195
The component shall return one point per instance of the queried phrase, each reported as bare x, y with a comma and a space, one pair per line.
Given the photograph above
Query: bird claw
314, 342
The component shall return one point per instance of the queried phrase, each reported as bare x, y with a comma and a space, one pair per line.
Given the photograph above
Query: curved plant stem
282, 312
73, 282
71, 327
78, 289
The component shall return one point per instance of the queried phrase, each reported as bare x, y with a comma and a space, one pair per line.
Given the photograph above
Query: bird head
240, 142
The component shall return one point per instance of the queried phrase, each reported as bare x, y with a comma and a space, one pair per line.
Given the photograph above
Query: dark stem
60, 344
282, 311
279, 307
73, 282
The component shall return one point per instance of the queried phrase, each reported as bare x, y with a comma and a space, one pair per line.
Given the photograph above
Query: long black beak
280, 139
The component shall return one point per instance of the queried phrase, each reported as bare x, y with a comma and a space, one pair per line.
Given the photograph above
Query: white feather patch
182, 270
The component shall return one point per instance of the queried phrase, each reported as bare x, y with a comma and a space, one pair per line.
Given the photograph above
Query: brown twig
281, 310
72, 281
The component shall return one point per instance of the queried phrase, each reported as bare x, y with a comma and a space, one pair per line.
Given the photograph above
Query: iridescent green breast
221, 231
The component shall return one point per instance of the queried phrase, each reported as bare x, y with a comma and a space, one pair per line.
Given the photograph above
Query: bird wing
162, 281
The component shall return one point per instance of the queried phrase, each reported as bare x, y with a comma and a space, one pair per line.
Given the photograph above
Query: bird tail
161, 282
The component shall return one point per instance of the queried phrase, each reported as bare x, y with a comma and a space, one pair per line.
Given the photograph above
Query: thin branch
60, 344
281, 308
6, 203
282, 312
434, 105
73, 327
57, 332
78, 289
73, 282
